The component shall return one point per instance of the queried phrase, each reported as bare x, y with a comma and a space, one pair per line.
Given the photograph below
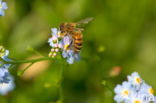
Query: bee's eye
60, 27
62, 31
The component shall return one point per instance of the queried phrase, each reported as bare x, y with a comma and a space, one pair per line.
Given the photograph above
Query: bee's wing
84, 21
79, 29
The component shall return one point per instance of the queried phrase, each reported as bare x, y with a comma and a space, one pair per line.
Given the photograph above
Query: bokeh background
122, 36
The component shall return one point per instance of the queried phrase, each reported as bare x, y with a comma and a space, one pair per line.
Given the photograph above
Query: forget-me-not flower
6, 80
7, 86
54, 42
135, 80
68, 51
135, 90
64, 45
122, 91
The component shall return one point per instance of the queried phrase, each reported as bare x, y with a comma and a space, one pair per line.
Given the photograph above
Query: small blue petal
67, 40
4, 5
3, 72
7, 87
54, 31
64, 54
70, 60
2, 12
50, 42
77, 56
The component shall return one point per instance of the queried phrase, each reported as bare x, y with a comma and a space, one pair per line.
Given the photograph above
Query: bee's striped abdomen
77, 42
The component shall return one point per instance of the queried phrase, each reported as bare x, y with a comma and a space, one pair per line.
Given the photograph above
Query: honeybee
73, 29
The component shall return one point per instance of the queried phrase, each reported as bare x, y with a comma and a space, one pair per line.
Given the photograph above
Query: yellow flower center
125, 93
138, 80
137, 101
2, 51
151, 91
66, 46
59, 34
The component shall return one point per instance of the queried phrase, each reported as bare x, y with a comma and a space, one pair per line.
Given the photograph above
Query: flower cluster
6, 80
3, 6
62, 44
135, 90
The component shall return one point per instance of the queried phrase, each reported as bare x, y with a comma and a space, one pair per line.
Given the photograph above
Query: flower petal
4, 5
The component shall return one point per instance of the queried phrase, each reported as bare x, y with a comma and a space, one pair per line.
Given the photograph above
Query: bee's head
63, 27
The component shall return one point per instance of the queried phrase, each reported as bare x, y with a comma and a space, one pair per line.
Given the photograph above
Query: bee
75, 32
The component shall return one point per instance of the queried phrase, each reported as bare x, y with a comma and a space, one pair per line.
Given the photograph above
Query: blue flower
63, 44
154, 99
3, 6
135, 98
54, 40
146, 91
68, 51
4, 73
135, 90
6, 80
122, 92
71, 56
7, 87
66, 42
135, 80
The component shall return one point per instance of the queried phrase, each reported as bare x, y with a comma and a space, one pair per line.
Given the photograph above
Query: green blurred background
122, 35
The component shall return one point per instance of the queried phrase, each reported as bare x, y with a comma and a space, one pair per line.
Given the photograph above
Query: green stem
109, 88
28, 61
22, 71
31, 49
61, 79
105, 84
62, 67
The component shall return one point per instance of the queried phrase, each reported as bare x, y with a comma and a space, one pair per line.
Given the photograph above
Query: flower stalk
28, 61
